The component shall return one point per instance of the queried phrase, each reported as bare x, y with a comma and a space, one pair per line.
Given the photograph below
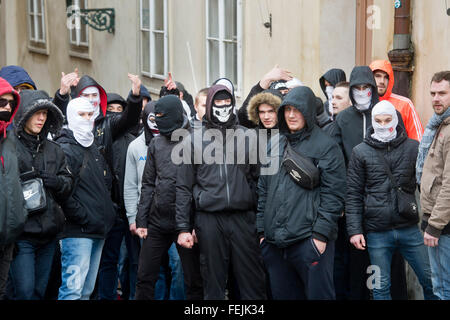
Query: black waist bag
301, 169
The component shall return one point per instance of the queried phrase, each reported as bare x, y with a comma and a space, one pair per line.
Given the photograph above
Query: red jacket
5, 87
413, 125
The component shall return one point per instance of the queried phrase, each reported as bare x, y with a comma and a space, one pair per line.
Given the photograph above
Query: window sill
43, 51
80, 55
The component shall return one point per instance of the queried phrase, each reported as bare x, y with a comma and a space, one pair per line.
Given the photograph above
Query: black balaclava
172, 114
222, 114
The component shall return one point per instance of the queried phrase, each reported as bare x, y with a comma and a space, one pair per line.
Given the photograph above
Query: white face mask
329, 91
81, 127
94, 101
152, 124
222, 113
363, 98
387, 132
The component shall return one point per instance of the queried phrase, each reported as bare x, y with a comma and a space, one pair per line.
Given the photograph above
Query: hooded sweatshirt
12, 211
411, 120
16, 75
288, 213
351, 124
333, 76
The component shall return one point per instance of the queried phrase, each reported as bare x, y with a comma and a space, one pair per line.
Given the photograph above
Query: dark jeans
30, 269
225, 238
6, 253
108, 272
299, 271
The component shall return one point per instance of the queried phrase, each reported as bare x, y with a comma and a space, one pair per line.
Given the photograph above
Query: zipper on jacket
226, 179
364, 125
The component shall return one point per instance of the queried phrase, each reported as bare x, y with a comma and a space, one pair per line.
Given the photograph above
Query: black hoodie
351, 124
333, 76
36, 154
288, 213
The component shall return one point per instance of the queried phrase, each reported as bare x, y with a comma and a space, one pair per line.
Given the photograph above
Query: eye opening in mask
159, 114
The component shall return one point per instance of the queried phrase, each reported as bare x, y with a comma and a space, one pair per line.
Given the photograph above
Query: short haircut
439, 76
343, 84
202, 92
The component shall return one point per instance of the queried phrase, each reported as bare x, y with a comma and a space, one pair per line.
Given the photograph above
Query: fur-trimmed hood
271, 97
33, 101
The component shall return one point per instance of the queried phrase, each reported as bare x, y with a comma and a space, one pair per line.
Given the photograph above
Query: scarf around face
427, 140
81, 128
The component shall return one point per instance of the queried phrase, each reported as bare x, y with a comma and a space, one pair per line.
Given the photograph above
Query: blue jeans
440, 267
409, 241
80, 259
30, 269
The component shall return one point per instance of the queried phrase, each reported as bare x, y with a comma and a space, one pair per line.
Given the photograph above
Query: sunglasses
5, 102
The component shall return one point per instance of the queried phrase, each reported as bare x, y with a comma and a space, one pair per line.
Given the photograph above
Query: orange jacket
414, 127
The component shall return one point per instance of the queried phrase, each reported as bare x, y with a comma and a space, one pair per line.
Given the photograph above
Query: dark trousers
225, 238
299, 271
108, 272
154, 248
6, 253
128, 276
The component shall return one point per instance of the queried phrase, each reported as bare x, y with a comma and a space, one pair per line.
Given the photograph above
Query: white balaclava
152, 124
81, 128
95, 101
387, 132
363, 98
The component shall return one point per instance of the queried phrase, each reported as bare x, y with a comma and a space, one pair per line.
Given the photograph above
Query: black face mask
172, 114
5, 116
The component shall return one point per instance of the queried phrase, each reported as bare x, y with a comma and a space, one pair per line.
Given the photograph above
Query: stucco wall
431, 39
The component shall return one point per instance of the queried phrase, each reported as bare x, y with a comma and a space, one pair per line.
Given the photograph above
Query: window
223, 41
154, 44
36, 26
79, 35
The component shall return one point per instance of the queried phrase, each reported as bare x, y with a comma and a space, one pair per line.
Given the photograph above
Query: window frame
36, 44
77, 42
152, 37
222, 40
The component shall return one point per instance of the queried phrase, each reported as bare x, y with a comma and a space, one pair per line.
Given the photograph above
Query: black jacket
157, 202
370, 201
288, 213
36, 154
216, 187
89, 210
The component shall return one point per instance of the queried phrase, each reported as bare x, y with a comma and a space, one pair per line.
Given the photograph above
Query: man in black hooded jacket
298, 226
224, 217
39, 158
327, 83
155, 219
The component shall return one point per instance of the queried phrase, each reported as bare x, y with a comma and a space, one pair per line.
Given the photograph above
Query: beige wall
383, 35
431, 39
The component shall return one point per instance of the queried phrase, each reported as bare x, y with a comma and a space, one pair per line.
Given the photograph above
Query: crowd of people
93, 205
